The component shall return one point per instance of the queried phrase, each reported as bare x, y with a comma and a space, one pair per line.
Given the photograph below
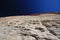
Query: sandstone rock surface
42, 27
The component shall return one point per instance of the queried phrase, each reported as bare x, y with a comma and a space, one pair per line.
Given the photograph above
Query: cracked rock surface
42, 27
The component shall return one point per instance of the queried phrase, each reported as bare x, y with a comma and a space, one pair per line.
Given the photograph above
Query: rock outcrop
42, 27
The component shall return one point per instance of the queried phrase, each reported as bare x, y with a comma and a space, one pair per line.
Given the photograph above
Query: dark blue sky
21, 7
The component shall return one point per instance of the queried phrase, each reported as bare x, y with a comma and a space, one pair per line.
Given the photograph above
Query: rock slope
42, 27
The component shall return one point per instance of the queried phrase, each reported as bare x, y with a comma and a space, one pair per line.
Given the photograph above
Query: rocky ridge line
44, 27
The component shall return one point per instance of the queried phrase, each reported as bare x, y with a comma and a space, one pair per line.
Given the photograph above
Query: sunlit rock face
42, 27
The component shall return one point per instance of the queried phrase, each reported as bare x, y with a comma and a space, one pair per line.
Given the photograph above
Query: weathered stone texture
44, 27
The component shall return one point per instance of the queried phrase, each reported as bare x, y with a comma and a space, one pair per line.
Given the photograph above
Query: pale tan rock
42, 27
